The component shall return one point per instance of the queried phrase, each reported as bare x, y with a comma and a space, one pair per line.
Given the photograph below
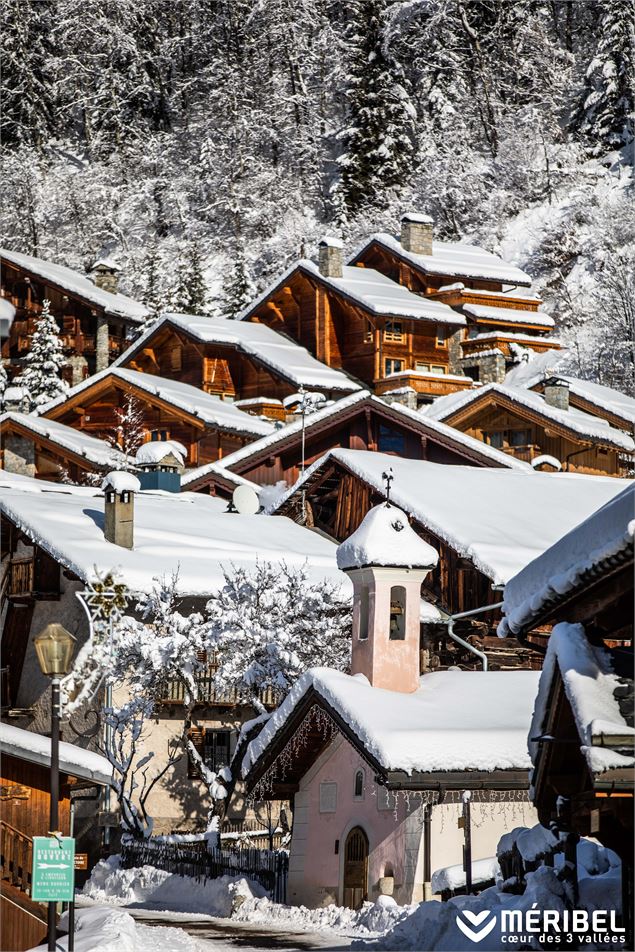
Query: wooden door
355, 868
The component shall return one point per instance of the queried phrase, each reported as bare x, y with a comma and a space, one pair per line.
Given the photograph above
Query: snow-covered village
317, 470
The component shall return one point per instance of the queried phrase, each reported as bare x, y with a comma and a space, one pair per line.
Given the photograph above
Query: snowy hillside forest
208, 143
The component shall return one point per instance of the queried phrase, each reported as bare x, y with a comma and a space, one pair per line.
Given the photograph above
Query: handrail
16, 857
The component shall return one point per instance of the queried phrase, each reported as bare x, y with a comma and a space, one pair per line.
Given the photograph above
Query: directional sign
53, 869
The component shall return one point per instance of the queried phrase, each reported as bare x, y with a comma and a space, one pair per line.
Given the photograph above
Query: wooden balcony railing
20, 577
16, 857
210, 692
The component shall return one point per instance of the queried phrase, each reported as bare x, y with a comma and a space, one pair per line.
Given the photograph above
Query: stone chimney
557, 393
331, 257
105, 274
387, 562
416, 233
119, 492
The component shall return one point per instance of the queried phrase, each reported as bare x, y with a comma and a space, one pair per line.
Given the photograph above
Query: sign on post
81, 860
53, 869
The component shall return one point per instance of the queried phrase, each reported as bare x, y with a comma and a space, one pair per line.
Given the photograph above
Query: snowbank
157, 889
453, 877
372, 919
104, 929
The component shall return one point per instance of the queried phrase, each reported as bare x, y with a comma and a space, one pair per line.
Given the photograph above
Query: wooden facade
361, 424
93, 411
525, 433
80, 322
220, 369
341, 333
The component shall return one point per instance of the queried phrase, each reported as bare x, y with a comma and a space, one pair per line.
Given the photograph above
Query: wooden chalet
530, 426
361, 421
25, 796
46, 449
358, 320
583, 733
608, 404
96, 321
235, 360
474, 282
209, 428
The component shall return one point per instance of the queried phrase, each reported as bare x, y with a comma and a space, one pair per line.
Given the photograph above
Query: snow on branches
41, 377
269, 624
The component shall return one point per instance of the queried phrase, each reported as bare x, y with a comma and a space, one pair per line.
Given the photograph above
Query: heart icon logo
476, 918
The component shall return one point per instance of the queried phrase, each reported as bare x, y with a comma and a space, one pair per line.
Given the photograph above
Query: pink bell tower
387, 562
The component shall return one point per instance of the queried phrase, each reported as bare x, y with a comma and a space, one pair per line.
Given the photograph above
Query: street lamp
54, 647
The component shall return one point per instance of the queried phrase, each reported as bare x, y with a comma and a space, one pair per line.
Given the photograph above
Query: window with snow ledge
358, 788
328, 797
397, 613
363, 613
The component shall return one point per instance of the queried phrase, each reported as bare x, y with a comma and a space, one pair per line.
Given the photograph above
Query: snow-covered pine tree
128, 432
269, 624
28, 73
378, 139
238, 288
604, 115
4, 382
190, 294
41, 376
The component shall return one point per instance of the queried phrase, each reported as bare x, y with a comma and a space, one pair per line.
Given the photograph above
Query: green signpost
53, 869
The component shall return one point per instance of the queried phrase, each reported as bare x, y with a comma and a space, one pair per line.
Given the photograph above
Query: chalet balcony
472, 346
423, 382
210, 693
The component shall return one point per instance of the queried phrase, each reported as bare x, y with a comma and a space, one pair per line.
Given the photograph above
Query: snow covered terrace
79, 285
188, 533
499, 519
282, 356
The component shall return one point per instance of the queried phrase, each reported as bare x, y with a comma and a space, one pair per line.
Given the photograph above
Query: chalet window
363, 613
519, 437
216, 749
393, 366
159, 436
328, 797
441, 342
495, 439
393, 330
437, 369
397, 613
391, 441
358, 788
422, 367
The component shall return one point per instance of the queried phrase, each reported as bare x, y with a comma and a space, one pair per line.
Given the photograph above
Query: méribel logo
476, 919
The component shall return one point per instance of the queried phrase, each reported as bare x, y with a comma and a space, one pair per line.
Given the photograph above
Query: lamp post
54, 647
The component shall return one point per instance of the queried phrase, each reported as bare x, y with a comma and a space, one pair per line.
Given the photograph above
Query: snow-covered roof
549, 579
27, 745
121, 482
590, 682
454, 259
452, 722
279, 437
278, 353
582, 424
189, 533
157, 450
604, 398
499, 519
208, 409
531, 368
385, 538
95, 451
508, 315
79, 285
372, 290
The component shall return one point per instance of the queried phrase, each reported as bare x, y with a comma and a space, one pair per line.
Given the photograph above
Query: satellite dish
245, 501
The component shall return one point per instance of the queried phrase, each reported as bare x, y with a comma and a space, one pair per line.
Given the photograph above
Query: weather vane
388, 477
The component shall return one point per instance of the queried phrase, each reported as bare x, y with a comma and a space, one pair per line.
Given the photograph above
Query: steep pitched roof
189, 534
197, 403
574, 421
79, 285
370, 290
285, 436
598, 544
498, 519
93, 450
282, 356
604, 398
454, 259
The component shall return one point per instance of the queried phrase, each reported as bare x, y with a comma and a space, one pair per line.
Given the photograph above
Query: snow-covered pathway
222, 936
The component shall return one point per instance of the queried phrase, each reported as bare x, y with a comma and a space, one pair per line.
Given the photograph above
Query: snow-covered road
218, 934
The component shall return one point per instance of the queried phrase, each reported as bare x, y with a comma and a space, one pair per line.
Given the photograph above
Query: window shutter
197, 737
